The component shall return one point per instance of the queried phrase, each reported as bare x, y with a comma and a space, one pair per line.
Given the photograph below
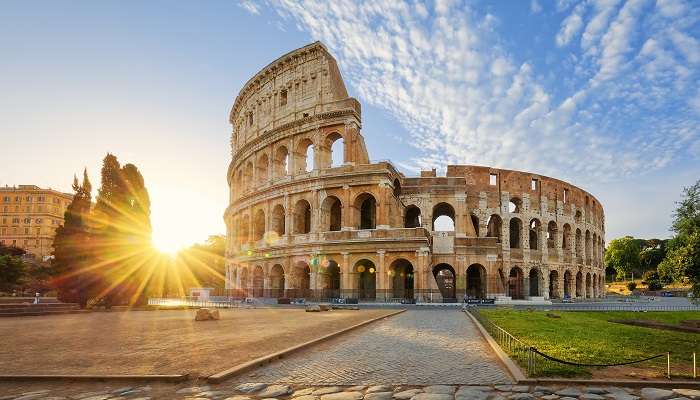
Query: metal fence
537, 363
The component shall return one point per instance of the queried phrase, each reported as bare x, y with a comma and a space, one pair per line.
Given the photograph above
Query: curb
510, 366
97, 378
258, 362
611, 382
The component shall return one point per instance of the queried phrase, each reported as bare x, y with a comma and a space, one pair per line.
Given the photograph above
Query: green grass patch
589, 337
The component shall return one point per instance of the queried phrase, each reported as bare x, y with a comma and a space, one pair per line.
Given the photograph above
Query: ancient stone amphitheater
311, 216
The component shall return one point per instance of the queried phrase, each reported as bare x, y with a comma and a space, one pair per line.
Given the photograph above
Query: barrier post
695, 371
668, 365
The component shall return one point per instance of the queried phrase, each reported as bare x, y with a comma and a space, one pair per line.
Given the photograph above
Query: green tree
623, 255
683, 258
12, 270
74, 277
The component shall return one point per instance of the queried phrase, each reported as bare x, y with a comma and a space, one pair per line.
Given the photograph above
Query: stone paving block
193, 389
407, 394
343, 396
327, 390
275, 390
380, 388
521, 396
569, 392
432, 396
591, 396
440, 389
307, 397
465, 393
302, 392
692, 393
379, 396
656, 394
250, 387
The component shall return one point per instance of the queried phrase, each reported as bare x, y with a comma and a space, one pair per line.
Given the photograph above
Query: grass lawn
588, 337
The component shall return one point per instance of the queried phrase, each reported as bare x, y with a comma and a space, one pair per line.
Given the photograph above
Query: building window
6, 199
29, 199
533, 184
27, 220
566, 195
283, 98
38, 220
26, 231
493, 179
41, 198
15, 220
250, 118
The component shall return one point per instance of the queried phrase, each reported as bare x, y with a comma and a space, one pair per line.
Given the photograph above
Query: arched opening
401, 273
595, 286
566, 243
551, 235
248, 175
515, 205
302, 217
589, 286
445, 277
302, 280
397, 188
579, 243
588, 247
332, 213
336, 144
278, 220
262, 167
534, 281
244, 285
567, 284
259, 225
333, 272
443, 218
515, 283
277, 281
258, 281
305, 158
553, 284
367, 206
577, 217
281, 162
579, 284
476, 282
413, 217
366, 279
494, 227
535, 234
475, 223
515, 229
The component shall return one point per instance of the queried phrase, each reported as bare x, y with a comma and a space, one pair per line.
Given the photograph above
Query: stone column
345, 283
381, 273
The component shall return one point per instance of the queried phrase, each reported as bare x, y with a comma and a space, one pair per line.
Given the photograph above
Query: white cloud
535, 7
443, 73
250, 6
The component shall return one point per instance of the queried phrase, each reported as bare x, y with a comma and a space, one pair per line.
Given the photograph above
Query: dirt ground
159, 342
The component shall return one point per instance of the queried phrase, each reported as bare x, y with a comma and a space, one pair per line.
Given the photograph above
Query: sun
168, 242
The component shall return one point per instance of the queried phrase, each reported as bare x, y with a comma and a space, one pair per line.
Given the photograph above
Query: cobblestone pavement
418, 347
261, 391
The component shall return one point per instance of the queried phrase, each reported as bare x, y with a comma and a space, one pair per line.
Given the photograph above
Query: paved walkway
417, 347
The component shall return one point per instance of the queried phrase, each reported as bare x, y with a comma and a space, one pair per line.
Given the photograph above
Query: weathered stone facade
364, 230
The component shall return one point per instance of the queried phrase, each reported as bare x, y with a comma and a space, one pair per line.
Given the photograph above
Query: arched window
443, 218
302, 217
551, 235
515, 283
367, 207
475, 223
332, 213
515, 205
336, 144
397, 188
515, 232
534, 281
494, 227
566, 243
248, 175
305, 159
579, 243
277, 281
259, 225
281, 162
412, 218
243, 229
534, 234
261, 169
365, 272
278, 220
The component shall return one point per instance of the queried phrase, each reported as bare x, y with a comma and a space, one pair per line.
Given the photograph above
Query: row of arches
263, 167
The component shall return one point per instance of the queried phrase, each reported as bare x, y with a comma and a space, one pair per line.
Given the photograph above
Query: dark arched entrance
333, 276
401, 272
366, 280
445, 277
476, 282
515, 283
534, 282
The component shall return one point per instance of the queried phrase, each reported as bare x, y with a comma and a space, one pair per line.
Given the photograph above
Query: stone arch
515, 205
552, 235
443, 217
277, 281
305, 156
244, 229
535, 227
446, 278
401, 279
278, 220
281, 162
515, 283
554, 284
579, 243
258, 288
494, 227
476, 282
595, 285
534, 280
331, 214
412, 218
566, 242
366, 206
366, 273
302, 217
515, 229
248, 175
589, 285
259, 225
579, 284
302, 279
332, 270
568, 284
335, 145
261, 169
397, 188
587, 247
244, 283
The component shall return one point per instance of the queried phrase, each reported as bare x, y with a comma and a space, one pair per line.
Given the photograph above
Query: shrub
655, 285
631, 286
650, 276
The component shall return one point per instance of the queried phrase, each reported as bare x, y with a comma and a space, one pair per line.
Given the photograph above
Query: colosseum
310, 216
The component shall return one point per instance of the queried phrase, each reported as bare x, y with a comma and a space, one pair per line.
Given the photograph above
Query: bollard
695, 371
668, 365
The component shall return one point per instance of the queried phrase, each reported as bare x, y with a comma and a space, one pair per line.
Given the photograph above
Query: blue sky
604, 94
